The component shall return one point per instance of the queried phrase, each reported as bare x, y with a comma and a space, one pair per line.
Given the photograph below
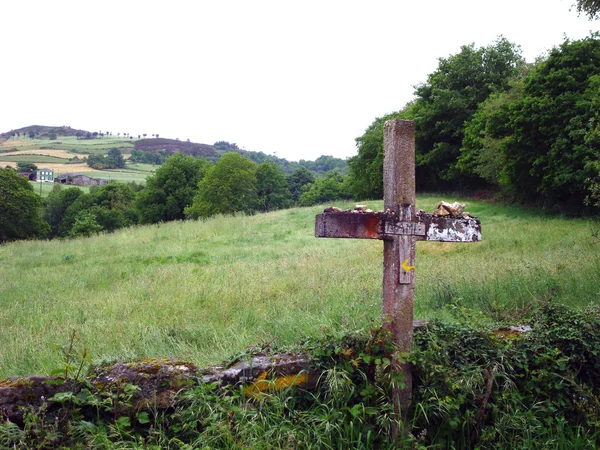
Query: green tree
85, 225
228, 187
113, 196
481, 151
26, 167
56, 204
299, 182
448, 99
552, 140
272, 188
327, 188
366, 168
171, 189
97, 162
593, 186
590, 7
115, 158
82, 203
111, 205
141, 156
19, 209
118, 198
324, 164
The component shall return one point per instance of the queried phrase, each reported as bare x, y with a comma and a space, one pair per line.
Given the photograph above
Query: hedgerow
531, 387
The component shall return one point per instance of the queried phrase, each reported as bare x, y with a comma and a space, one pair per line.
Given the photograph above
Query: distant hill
173, 145
44, 132
212, 153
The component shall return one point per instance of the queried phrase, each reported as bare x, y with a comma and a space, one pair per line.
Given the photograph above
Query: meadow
70, 144
37, 159
91, 146
54, 154
202, 291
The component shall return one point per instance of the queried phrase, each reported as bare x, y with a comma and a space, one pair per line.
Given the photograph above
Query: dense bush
19, 209
141, 156
72, 213
228, 187
325, 189
113, 160
171, 189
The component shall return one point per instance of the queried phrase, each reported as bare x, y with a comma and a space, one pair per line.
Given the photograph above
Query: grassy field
202, 291
46, 188
71, 144
149, 168
123, 175
37, 159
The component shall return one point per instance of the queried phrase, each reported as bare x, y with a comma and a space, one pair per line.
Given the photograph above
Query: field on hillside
37, 159
46, 188
70, 144
54, 154
202, 291
45, 152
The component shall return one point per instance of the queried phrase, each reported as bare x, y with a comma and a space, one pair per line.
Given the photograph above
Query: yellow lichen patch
6, 383
504, 333
18, 382
347, 352
263, 384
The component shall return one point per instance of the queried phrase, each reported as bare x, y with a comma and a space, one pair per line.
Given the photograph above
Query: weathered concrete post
399, 197
400, 226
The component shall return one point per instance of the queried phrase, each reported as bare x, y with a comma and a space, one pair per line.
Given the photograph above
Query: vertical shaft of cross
399, 253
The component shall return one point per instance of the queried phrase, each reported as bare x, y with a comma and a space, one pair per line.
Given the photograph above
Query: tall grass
202, 291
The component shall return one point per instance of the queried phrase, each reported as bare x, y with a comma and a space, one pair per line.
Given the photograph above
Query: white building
45, 175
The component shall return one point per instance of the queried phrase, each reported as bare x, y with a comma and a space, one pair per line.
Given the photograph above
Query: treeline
486, 119
156, 158
42, 132
113, 160
146, 150
183, 187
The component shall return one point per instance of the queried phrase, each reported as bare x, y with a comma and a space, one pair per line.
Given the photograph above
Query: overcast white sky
299, 79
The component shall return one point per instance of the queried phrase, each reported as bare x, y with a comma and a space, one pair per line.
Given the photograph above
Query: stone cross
400, 226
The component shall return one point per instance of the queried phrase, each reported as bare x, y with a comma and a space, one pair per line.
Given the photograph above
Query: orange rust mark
349, 225
372, 227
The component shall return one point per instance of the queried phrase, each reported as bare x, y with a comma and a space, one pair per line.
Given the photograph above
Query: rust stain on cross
400, 226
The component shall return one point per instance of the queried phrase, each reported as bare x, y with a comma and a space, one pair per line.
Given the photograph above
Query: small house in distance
45, 175
29, 175
79, 179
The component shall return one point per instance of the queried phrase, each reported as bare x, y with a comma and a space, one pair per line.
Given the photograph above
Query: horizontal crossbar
386, 226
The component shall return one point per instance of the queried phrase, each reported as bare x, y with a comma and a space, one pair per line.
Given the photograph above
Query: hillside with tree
146, 148
486, 120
